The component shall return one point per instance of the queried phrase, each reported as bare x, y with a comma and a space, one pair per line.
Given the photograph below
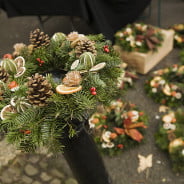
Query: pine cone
3, 75
72, 78
39, 39
85, 45
39, 90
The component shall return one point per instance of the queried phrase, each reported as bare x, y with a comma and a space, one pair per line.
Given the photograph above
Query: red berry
120, 146
93, 92
92, 89
12, 84
27, 132
106, 50
105, 126
38, 59
8, 56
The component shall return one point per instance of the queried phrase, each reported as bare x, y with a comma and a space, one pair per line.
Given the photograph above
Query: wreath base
81, 152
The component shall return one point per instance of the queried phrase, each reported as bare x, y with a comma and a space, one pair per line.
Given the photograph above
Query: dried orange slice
62, 89
20, 72
19, 61
6, 111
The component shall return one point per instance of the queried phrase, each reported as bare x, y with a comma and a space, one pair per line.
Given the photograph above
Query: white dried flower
178, 96
154, 90
155, 80
108, 145
73, 36
132, 43
173, 127
120, 34
135, 116
91, 125
128, 30
162, 82
18, 47
130, 38
138, 25
169, 126
144, 27
138, 43
106, 136
174, 69
168, 117
174, 87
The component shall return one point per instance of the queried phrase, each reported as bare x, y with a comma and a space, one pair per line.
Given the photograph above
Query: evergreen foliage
35, 126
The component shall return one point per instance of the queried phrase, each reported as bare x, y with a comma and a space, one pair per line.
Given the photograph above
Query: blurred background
18, 168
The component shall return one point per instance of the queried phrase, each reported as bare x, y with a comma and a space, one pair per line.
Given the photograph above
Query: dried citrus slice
20, 72
19, 103
97, 67
62, 89
6, 111
19, 61
74, 64
167, 90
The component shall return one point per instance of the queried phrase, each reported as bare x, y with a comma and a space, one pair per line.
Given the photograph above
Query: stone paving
21, 168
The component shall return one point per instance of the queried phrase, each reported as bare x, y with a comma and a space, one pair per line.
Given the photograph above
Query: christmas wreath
139, 37
170, 137
49, 84
118, 126
166, 86
179, 35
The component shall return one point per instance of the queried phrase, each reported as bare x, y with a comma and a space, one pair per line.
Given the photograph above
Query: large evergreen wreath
170, 137
49, 83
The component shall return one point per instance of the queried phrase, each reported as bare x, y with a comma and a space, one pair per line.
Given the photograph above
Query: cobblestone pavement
20, 168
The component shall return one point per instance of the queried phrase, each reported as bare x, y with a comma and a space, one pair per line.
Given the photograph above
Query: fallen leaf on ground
144, 162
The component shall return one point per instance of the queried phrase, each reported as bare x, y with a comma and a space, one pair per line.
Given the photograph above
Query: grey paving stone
34, 158
26, 180
5, 178
57, 173
36, 182
43, 164
45, 177
71, 181
56, 181
30, 170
